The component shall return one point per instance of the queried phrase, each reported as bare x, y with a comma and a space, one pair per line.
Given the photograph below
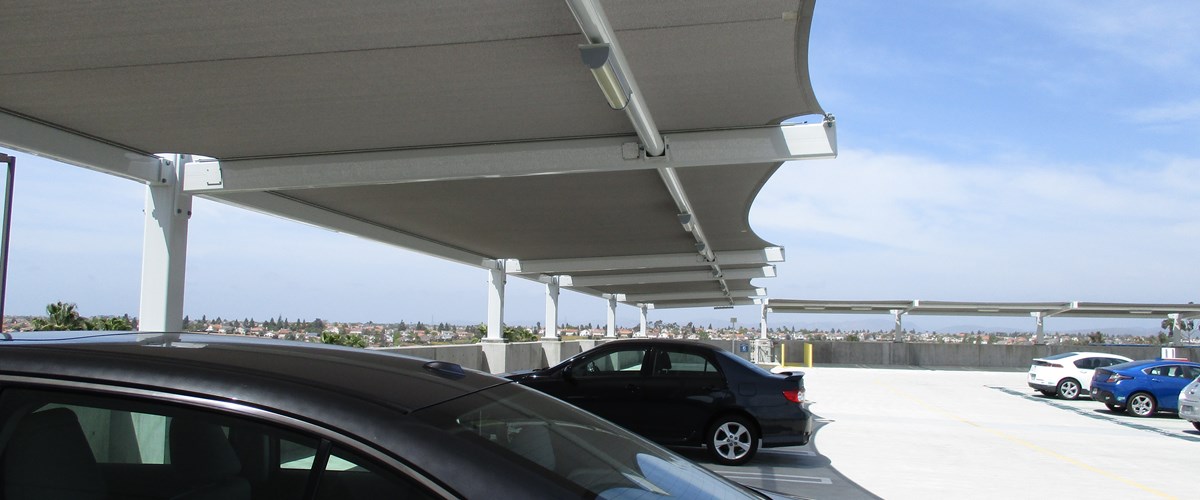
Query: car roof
1143, 363
662, 342
268, 372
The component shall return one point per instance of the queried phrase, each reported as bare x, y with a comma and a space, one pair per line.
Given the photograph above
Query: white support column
495, 351
164, 250
496, 281
762, 353
1176, 330
762, 321
898, 331
643, 308
612, 317
1040, 318
551, 310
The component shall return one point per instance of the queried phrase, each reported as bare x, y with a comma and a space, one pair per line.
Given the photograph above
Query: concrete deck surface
920, 434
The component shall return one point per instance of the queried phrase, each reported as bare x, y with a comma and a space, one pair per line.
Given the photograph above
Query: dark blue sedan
1143, 387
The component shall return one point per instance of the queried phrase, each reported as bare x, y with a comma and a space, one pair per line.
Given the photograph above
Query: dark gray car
136, 415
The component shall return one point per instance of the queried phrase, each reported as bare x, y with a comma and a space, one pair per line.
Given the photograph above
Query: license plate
1188, 408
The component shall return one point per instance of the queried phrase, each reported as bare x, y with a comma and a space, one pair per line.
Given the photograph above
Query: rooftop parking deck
916, 433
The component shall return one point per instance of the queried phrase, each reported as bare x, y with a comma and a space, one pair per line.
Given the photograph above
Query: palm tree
61, 316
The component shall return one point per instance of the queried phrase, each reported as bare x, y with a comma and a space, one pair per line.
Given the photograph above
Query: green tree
113, 324
346, 340
511, 333
61, 316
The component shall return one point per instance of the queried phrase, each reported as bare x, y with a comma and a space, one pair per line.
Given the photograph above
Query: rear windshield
1060, 355
550, 436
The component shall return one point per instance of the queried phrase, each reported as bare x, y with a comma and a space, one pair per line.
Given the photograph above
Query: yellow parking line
1032, 446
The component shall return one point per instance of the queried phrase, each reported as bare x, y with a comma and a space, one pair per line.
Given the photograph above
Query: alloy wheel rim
732, 441
1070, 390
1140, 405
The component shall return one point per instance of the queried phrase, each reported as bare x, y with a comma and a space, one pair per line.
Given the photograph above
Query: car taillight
1047, 363
1117, 377
794, 395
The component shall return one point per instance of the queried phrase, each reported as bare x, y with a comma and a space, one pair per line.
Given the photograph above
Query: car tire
1069, 388
1196, 425
1116, 408
1141, 404
731, 440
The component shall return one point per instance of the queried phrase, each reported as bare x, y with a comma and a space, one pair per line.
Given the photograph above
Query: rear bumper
1107, 396
1043, 387
1189, 410
788, 425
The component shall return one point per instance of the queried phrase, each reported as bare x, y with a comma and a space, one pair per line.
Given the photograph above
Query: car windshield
597, 457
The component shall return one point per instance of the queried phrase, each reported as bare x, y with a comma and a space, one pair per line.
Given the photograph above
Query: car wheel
731, 440
1116, 408
1141, 405
1196, 425
1068, 388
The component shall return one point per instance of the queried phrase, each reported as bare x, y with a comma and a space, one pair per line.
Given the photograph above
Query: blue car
1143, 387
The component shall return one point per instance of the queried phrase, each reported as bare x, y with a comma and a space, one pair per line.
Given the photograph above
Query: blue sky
989, 150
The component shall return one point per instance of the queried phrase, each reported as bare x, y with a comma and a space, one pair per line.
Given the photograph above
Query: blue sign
743, 348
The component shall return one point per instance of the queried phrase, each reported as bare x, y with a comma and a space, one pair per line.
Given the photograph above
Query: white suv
1069, 374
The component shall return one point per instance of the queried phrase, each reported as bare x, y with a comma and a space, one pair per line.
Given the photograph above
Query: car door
683, 390
608, 383
1165, 383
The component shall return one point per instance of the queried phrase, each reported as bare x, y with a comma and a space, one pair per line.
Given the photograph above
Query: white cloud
1173, 112
914, 227
1158, 35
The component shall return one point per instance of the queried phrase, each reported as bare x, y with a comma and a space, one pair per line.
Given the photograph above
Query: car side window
683, 364
618, 362
1087, 363
58, 443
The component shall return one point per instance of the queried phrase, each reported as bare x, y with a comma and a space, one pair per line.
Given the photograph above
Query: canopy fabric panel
278, 80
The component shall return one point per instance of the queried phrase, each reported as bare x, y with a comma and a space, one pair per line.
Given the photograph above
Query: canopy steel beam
706, 303
676, 296
688, 149
560, 266
663, 277
594, 24
80, 150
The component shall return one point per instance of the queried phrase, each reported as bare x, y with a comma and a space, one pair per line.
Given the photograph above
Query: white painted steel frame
631, 262
551, 310
663, 277
69, 147
741, 146
164, 252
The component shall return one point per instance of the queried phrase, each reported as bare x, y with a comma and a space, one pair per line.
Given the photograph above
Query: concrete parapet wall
954, 355
530, 355
517, 356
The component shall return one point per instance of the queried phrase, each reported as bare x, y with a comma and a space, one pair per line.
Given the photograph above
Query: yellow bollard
808, 355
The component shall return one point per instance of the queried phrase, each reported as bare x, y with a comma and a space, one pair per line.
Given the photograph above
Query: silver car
1189, 403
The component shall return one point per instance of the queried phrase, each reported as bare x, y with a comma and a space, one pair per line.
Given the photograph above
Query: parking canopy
472, 131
